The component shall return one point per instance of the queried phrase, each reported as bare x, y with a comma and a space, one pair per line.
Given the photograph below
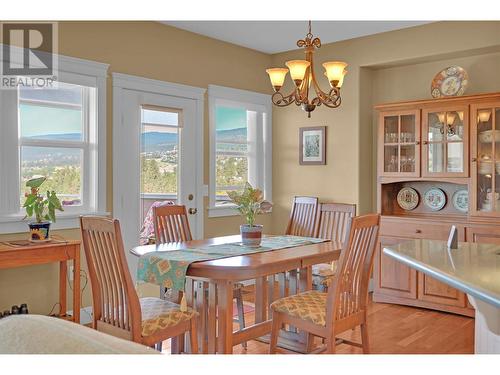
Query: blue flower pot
39, 231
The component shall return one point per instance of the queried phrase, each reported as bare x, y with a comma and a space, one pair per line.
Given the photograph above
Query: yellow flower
37, 234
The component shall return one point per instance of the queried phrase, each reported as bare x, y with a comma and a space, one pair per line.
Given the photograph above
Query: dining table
209, 287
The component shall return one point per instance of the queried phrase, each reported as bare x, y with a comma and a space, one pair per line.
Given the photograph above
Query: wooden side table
24, 253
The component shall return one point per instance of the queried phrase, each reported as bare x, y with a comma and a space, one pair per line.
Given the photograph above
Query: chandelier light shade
298, 70
335, 71
302, 74
277, 76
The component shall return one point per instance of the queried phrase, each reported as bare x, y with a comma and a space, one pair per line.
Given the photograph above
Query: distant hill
151, 142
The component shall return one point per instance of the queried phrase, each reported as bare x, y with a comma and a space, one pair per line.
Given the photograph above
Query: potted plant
249, 203
42, 207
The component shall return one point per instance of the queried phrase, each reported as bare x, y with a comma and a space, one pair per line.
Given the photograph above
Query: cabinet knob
425, 142
418, 231
474, 160
417, 143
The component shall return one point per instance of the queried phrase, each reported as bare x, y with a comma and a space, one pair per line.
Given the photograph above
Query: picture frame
312, 145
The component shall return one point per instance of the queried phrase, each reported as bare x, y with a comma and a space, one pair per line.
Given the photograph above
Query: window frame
72, 71
259, 166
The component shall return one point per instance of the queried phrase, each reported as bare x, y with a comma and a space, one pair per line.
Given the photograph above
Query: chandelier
302, 74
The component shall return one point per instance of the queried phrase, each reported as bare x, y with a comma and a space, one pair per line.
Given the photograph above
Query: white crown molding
161, 87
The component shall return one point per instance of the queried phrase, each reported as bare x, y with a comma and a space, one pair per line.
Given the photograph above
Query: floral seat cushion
310, 306
158, 314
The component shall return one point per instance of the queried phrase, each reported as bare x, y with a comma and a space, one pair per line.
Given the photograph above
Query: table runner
168, 268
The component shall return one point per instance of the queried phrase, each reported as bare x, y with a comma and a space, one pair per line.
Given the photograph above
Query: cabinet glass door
487, 159
400, 142
445, 134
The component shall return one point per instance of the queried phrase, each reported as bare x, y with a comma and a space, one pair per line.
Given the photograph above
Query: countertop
473, 268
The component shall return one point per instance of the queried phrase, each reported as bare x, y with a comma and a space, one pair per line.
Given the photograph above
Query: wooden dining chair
302, 222
302, 216
332, 223
344, 306
117, 309
172, 225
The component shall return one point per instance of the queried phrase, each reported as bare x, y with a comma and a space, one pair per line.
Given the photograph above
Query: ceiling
279, 36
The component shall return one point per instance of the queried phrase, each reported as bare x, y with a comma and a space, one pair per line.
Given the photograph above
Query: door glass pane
436, 157
485, 162
407, 158
407, 129
391, 129
391, 158
436, 126
159, 160
62, 167
455, 157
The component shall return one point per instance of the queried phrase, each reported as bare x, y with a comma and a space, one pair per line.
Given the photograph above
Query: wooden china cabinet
445, 155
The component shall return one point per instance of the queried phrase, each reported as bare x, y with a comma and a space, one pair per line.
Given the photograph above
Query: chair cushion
310, 305
158, 314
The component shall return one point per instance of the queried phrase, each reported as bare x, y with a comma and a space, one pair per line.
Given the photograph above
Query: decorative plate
460, 200
408, 198
435, 199
451, 81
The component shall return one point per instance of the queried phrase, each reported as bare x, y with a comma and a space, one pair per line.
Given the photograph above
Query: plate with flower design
451, 81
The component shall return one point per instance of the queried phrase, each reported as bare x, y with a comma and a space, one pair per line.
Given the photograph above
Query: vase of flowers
249, 203
43, 208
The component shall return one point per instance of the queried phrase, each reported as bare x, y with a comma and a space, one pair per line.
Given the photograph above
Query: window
58, 133
240, 144
53, 129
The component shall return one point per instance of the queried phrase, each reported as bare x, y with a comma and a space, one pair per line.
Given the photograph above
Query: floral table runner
168, 268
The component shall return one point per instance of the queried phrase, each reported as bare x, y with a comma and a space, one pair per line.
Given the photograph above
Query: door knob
193, 211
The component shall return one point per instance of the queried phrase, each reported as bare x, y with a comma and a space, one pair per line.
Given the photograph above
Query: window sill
15, 223
225, 210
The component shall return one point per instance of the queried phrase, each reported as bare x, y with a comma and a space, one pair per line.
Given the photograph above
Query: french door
154, 159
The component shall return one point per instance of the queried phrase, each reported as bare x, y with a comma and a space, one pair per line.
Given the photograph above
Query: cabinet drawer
410, 229
483, 235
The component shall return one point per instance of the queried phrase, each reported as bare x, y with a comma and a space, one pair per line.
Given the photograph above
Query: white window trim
231, 96
97, 72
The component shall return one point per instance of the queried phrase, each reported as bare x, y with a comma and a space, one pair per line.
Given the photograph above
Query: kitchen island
473, 268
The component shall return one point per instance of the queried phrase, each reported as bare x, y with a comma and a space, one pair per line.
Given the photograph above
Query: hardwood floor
394, 329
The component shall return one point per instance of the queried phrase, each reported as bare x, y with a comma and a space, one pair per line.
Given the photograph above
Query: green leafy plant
249, 203
42, 207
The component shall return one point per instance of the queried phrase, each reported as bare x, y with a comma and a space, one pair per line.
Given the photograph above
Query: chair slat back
333, 220
349, 293
171, 224
115, 301
302, 216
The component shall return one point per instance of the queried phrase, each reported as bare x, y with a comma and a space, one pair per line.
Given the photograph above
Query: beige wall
151, 50
391, 66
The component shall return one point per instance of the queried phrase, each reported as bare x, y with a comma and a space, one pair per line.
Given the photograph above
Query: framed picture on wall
312, 141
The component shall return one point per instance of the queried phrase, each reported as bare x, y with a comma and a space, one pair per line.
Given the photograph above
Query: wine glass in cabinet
399, 143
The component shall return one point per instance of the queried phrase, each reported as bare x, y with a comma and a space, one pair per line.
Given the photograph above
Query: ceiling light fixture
302, 74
